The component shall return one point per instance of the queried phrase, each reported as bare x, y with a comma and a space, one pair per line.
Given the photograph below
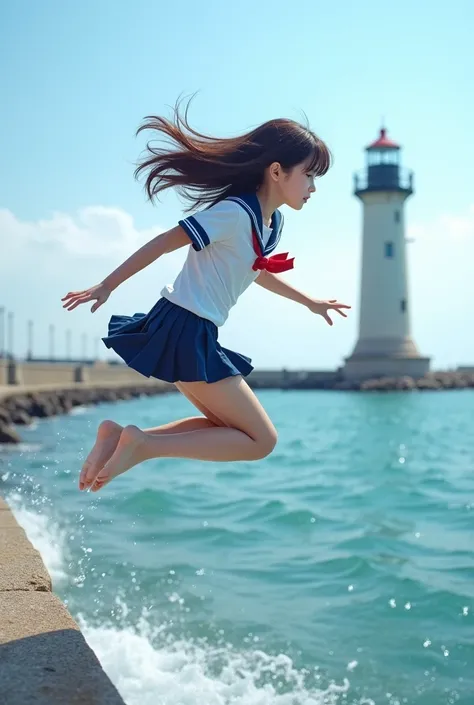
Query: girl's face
297, 186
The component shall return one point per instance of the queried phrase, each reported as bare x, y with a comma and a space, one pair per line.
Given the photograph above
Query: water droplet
350, 588
426, 643
465, 611
401, 461
200, 571
392, 603
352, 665
313, 519
408, 606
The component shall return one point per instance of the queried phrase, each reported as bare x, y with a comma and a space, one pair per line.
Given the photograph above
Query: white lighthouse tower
385, 346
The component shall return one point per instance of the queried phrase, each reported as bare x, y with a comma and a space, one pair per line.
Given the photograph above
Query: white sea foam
45, 535
178, 672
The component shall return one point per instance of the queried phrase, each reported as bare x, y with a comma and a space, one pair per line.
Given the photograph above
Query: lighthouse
385, 346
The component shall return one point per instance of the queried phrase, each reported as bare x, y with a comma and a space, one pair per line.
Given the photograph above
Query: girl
242, 181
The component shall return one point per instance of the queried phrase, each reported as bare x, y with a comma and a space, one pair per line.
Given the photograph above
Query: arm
161, 244
273, 283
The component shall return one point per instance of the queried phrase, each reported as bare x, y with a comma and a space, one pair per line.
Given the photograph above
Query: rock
5, 416
63, 403
21, 418
8, 434
21, 402
41, 409
371, 385
405, 383
428, 384
22, 408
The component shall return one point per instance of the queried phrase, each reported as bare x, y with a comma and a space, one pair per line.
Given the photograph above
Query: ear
275, 171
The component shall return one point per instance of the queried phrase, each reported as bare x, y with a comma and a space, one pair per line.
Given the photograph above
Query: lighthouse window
389, 249
397, 216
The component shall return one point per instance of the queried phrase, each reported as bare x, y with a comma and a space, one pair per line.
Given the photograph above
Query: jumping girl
235, 187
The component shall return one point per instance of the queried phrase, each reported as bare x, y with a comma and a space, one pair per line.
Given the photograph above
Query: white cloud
93, 231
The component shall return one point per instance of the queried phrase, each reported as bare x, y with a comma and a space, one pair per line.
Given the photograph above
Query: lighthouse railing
401, 180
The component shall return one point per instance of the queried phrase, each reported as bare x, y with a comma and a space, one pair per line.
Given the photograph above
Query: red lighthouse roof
383, 142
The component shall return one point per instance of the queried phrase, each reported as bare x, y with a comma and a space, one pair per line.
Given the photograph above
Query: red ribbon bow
275, 264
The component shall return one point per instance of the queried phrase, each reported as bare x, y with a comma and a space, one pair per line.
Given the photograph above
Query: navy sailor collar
251, 204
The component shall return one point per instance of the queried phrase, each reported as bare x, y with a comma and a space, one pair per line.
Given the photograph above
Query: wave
45, 535
148, 667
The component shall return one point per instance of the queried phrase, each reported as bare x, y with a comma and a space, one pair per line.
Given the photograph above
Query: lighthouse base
361, 367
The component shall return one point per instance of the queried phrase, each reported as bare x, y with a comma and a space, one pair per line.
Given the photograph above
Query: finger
71, 294
341, 313
69, 303
96, 306
326, 317
337, 306
78, 302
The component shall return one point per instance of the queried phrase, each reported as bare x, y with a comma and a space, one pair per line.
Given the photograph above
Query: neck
269, 202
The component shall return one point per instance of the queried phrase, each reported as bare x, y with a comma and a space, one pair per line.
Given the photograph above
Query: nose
312, 188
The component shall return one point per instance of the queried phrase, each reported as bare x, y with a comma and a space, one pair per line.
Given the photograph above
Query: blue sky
77, 78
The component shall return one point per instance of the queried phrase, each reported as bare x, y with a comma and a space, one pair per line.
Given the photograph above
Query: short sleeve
214, 224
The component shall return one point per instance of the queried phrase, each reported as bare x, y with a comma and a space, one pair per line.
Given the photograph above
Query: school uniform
177, 341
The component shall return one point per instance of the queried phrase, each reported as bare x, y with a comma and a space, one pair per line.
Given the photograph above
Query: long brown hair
206, 169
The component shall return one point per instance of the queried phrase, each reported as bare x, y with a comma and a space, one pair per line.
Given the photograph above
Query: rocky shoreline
20, 408
434, 381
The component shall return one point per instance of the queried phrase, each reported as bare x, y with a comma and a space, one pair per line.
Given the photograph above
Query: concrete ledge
44, 658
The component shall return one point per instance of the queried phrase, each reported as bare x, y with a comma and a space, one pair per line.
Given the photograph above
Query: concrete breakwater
21, 406
30, 390
44, 657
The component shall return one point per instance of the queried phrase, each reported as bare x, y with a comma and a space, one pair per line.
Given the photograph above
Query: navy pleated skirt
174, 345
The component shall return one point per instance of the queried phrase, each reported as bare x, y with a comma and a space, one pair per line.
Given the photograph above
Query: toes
89, 477
98, 484
83, 476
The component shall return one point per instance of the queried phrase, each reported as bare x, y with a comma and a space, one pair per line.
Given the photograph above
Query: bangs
320, 158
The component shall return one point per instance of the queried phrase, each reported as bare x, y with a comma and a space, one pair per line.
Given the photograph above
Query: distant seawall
44, 658
40, 389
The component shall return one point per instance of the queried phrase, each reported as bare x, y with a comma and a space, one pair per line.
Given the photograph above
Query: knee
265, 444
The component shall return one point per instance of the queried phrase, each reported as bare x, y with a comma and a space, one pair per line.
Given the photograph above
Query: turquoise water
338, 570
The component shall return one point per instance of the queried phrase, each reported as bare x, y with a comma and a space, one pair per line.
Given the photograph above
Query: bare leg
108, 435
247, 433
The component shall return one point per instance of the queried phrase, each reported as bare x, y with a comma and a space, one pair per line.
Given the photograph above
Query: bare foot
129, 452
108, 435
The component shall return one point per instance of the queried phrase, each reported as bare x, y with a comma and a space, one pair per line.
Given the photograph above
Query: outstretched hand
322, 308
99, 294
